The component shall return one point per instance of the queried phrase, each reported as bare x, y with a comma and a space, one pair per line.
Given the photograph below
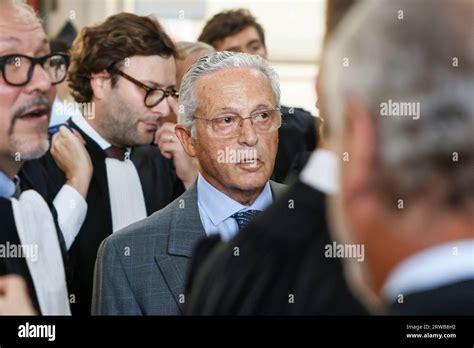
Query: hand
171, 148
70, 154
14, 298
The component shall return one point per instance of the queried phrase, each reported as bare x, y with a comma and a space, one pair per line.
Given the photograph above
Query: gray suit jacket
142, 269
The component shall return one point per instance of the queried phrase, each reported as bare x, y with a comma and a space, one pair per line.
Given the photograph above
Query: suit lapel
144, 164
277, 189
185, 230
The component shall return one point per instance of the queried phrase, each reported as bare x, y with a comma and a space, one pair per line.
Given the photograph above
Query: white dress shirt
127, 202
72, 209
431, 268
322, 171
216, 208
35, 227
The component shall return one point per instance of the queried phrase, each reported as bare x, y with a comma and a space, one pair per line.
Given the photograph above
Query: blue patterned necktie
243, 218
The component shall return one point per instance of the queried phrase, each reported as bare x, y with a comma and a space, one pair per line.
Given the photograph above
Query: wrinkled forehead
20, 29
239, 89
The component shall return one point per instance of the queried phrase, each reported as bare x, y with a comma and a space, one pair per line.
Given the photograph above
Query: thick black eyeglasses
17, 69
153, 96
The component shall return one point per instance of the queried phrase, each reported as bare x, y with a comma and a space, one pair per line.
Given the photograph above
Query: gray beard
29, 154
117, 122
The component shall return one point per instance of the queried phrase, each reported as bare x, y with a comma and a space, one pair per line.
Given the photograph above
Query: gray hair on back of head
406, 51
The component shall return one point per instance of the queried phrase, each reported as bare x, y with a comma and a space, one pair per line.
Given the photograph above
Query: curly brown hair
120, 36
229, 23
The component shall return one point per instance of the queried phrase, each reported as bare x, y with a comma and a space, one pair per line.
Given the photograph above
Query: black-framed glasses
17, 69
153, 96
230, 126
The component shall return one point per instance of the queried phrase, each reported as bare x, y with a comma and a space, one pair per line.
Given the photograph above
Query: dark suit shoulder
298, 117
450, 299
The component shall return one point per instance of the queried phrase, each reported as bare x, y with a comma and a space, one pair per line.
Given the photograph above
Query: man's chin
145, 138
251, 182
26, 151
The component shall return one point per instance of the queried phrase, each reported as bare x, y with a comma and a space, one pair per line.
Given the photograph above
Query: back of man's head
390, 52
397, 92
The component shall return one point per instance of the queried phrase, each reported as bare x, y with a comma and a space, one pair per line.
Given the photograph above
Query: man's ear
186, 140
359, 139
100, 82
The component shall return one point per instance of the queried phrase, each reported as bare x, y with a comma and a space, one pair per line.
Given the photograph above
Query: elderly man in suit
229, 110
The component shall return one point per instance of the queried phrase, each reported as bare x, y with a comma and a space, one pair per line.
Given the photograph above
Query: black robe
160, 186
14, 265
32, 176
297, 134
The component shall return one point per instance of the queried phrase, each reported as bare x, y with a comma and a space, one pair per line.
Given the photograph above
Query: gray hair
188, 102
409, 51
185, 48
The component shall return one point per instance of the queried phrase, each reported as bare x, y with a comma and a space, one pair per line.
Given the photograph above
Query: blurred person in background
188, 53
407, 192
239, 31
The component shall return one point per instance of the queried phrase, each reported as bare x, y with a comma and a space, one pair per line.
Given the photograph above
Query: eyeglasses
17, 69
230, 126
153, 96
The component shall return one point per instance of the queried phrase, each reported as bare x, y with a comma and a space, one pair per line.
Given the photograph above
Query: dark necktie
243, 218
116, 152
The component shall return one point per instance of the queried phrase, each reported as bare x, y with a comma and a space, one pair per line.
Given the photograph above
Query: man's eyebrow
260, 106
227, 108
154, 84
254, 41
16, 40
10, 39
257, 107
234, 49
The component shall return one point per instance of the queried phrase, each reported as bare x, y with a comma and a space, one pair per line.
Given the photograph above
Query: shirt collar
7, 186
431, 268
218, 206
82, 123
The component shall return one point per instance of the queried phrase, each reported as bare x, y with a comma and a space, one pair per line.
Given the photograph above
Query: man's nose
164, 107
248, 136
40, 80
